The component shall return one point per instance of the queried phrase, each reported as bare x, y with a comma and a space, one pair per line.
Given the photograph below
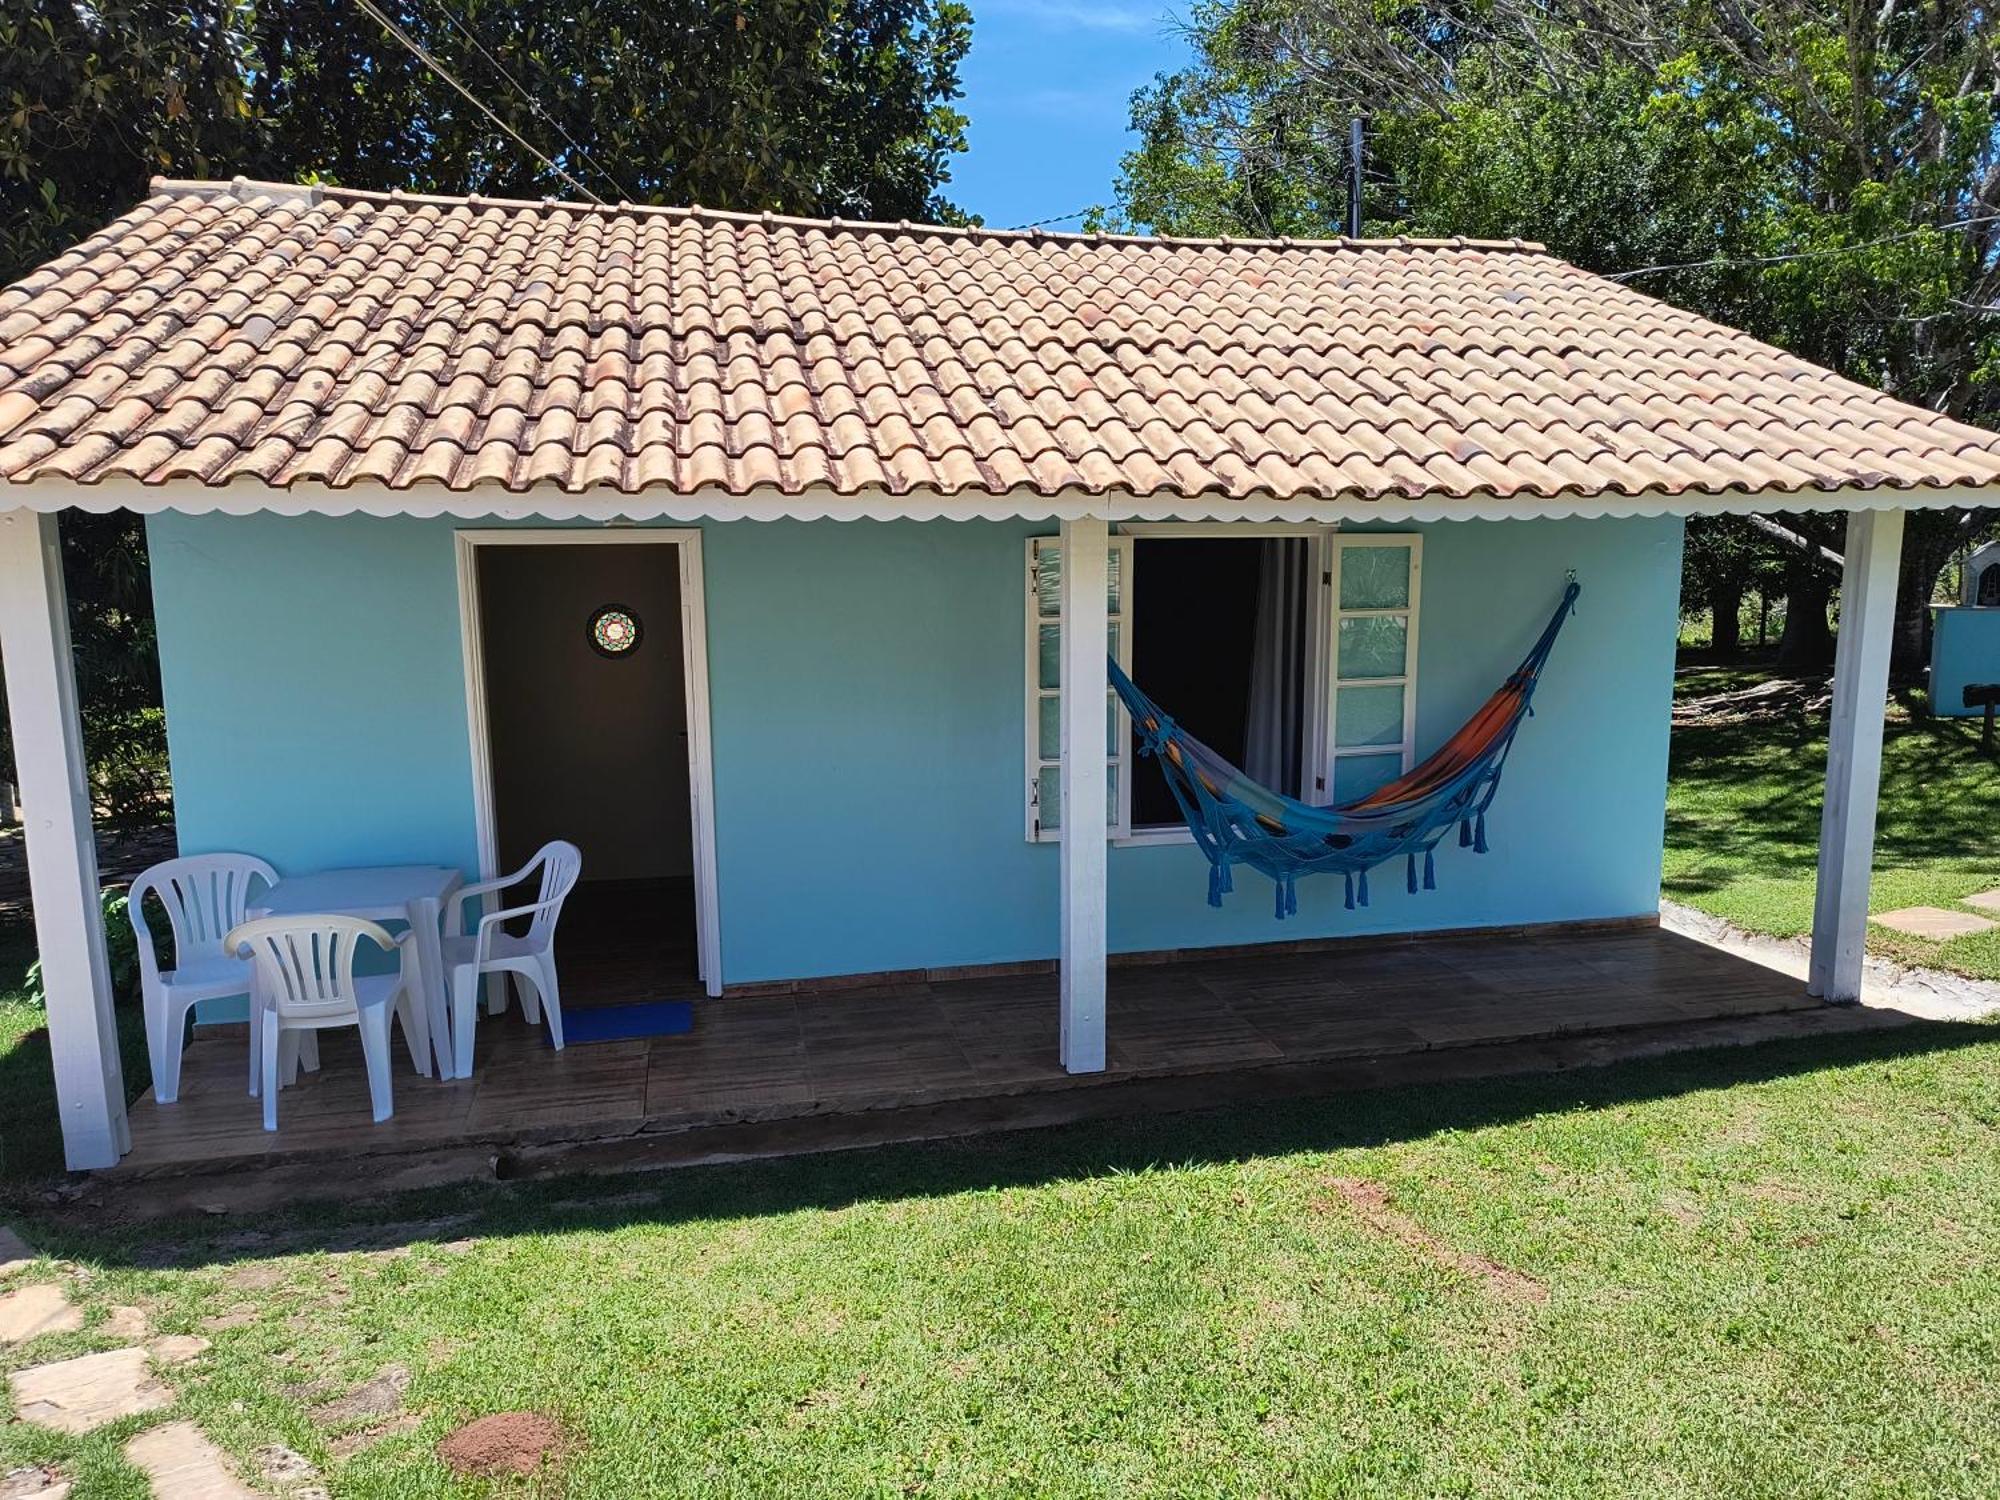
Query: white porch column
62, 853
1854, 752
1085, 642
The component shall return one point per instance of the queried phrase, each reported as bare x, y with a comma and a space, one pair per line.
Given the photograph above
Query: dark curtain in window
1274, 729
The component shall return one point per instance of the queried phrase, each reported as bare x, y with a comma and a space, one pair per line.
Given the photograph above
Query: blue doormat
620, 1023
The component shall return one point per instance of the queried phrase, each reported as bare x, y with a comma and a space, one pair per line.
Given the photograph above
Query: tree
1724, 559
1822, 173
793, 106
97, 98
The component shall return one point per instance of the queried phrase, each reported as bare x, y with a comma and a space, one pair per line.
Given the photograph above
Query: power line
417, 50
464, 29
1075, 213
1824, 250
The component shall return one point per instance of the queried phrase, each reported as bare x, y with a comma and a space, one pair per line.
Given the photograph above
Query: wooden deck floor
783, 1056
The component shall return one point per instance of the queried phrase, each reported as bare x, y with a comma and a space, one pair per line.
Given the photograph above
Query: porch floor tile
917, 1042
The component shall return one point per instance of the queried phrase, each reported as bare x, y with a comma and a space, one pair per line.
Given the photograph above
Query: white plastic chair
305, 983
204, 895
529, 958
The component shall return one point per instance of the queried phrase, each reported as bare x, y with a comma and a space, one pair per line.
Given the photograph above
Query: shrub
120, 941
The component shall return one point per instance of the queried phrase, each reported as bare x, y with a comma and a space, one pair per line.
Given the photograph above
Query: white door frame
694, 664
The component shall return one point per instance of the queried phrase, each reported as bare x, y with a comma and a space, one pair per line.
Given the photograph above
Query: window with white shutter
1044, 727
1350, 665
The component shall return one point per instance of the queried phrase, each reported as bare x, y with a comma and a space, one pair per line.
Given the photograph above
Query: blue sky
1046, 88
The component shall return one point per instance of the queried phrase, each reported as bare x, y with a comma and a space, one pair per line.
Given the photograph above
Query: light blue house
1965, 640
776, 563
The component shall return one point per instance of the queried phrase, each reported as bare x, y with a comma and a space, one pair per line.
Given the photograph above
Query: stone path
28, 1312
184, 1465
1933, 922
80, 1395
33, 1483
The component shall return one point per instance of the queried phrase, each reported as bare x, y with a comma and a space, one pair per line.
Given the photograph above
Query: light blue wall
866, 684
1965, 648
315, 697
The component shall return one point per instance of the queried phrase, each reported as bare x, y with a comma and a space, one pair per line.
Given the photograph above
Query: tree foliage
95, 99
802, 106
1822, 173
799, 106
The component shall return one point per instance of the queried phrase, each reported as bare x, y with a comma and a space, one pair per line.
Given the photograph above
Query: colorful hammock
1236, 821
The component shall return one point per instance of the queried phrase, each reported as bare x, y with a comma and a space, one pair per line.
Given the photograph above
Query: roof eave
605, 506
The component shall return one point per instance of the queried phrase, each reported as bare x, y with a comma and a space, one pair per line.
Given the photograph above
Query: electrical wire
417, 50
1825, 250
464, 29
1076, 213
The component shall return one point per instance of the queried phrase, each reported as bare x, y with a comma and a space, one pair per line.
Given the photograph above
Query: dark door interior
587, 728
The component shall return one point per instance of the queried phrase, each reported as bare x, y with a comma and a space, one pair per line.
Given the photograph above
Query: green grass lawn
1772, 1271
1743, 809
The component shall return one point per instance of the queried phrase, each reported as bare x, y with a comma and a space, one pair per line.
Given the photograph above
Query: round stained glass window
614, 631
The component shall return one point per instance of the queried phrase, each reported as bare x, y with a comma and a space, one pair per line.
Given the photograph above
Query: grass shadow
30, 1130
1026, 1158
1747, 797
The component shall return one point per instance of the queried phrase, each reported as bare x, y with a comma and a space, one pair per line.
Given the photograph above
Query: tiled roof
225, 333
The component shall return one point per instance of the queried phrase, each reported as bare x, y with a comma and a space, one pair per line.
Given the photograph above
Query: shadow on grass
30, 1134
1018, 1159
1746, 798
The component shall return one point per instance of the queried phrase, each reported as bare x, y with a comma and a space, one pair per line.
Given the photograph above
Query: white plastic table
386, 893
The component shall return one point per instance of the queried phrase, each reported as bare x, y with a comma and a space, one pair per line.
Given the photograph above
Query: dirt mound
508, 1442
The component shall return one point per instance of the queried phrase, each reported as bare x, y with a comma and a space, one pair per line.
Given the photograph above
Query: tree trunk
1926, 549
1725, 610
1807, 642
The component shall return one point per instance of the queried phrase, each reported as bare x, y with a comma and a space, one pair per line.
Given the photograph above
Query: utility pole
1354, 127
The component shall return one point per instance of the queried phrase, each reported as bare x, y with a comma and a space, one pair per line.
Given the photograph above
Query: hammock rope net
1237, 821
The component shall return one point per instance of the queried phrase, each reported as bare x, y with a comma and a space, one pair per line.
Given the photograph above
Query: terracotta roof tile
282, 335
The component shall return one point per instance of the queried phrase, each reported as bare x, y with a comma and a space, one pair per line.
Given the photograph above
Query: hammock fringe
1237, 821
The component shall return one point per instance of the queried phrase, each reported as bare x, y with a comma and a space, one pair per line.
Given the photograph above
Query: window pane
1369, 716
1048, 651
1372, 646
1048, 580
1049, 803
1374, 577
1358, 775
1048, 727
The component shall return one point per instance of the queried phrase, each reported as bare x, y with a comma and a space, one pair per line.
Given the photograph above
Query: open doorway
583, 704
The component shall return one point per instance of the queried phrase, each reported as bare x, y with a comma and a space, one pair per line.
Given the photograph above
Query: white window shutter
1042, 651
1375, 583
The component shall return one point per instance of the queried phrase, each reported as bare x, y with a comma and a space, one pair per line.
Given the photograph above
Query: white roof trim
552, 503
